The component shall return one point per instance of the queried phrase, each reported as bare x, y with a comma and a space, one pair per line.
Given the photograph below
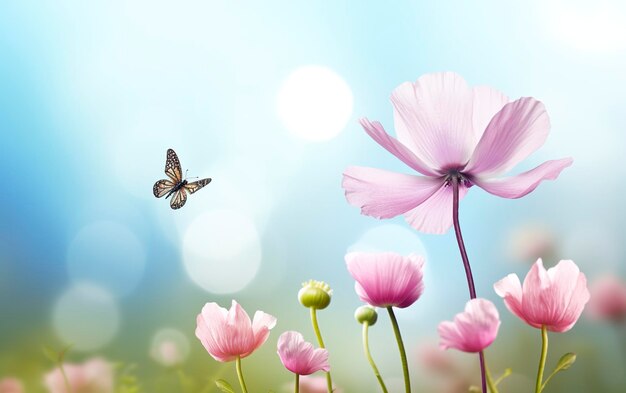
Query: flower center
455, 174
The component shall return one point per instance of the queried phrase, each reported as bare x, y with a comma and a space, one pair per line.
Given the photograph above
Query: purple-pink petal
515, 132
393, 146
435, 214
472, 330
524, 183
486, 103
386, 279
299, 356
433, 117
383, 194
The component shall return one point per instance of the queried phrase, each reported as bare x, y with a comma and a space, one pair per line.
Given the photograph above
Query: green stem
318, 334
490, 383
240, 375
542, 360
405, 365
68, 388
297, 390
366, 348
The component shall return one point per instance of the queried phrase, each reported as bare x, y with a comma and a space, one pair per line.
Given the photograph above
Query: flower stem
297, 389
66, 381
466, 263
542, 360
492, 386
366, 348
318, 334
240, 375
405, 365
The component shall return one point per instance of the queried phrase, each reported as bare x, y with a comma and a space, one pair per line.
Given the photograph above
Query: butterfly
176, 185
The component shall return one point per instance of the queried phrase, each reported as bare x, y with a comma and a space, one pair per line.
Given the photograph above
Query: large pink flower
554, 298
11, 385
608, 299
446, 129
299, 356
93, 376
472, 330
228, 334
387, 279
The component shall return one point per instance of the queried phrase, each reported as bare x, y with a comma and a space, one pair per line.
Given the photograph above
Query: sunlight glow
314, 103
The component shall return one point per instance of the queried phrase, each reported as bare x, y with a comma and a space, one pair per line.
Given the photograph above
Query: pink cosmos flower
93, 376
310, 384
446, 129
228, 334
299, 356
387, 279
554, 298
472, 330
608, 299
11, 385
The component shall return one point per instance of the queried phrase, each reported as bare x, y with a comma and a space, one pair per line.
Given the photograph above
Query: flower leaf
474, 389
505, 374
564, 363
224, 386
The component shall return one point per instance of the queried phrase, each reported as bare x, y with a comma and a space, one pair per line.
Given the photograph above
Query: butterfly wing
178, 199
172, 167
196, 185
162, 187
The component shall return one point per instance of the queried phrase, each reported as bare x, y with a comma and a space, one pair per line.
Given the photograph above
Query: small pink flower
309, 384
299, 356
228, 334
554, 298
608, 299
387, 279
11, 385
93, 376
472, 330
446, 129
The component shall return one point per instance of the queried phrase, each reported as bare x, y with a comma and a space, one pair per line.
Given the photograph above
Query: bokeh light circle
222, 251
108, 254
169, 347
86, 317
390, 237
314, 103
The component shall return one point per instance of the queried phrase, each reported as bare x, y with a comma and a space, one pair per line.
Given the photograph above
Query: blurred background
264, 98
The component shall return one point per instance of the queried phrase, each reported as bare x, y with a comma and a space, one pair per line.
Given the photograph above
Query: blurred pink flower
386, 279
167, 353
434, 359
310, 384
228, 334
608, 299
472, 330
554, 298
93, 376
299, 356
446, 129
11, 385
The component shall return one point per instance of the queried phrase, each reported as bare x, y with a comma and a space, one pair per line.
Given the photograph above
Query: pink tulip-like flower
229, 334
310, 384
11, 385
608, 299
472, 330
387, 279
299, 356
93, 376
448, 130
554, 298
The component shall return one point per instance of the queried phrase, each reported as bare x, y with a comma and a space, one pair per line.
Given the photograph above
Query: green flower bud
366, 314
315, 294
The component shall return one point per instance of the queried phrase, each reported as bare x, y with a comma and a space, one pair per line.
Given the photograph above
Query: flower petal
262, 323
510, 289
486, 103
524, 183
384, 194
435, 214
516, 131
433, 117
378, 133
